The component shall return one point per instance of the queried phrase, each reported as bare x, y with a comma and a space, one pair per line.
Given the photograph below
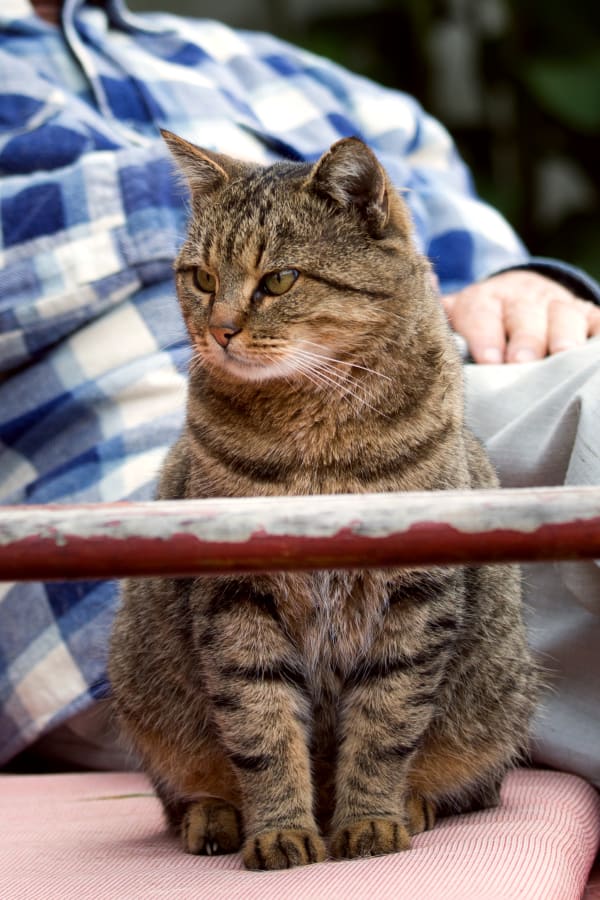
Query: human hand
48, 10
519, 316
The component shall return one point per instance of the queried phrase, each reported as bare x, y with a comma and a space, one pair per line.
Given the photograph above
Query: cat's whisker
334, 378
344, 379
320, 378
182, 339
324, 363
342, 362
275, 360
313, 376
341, 379
319, 366
347, 376
351, 366
343, 390
197, 361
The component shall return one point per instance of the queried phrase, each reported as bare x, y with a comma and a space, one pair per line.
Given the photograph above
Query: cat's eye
204, 281
276, 283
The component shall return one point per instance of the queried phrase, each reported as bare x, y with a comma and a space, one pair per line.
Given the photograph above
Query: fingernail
524, 355
491, 355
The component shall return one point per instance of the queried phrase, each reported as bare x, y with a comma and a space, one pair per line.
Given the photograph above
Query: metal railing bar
259, 534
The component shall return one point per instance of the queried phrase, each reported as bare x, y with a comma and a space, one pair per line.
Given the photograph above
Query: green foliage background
538, 74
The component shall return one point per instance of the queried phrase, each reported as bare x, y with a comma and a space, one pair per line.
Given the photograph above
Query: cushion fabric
101, 835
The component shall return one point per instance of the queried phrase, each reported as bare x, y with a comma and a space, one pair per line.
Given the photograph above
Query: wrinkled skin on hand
520, 316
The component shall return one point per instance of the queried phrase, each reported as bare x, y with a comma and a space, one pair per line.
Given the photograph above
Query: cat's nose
224, 332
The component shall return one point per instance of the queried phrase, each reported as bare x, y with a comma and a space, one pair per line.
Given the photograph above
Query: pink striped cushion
101, 836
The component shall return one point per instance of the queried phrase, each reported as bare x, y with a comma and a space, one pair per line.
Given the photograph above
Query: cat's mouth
236, 362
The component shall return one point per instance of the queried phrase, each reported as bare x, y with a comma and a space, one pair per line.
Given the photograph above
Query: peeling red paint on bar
427, 544
281, 534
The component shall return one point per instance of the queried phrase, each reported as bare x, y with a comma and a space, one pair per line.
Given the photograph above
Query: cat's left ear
350, 174
205, 170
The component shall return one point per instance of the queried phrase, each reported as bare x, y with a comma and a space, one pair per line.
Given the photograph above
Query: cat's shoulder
175, 471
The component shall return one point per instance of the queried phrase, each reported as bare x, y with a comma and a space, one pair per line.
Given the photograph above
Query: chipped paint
281, 533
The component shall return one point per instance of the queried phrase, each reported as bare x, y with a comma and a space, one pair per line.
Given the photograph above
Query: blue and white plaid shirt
91, 344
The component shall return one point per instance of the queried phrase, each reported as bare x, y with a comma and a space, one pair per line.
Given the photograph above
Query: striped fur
350, 706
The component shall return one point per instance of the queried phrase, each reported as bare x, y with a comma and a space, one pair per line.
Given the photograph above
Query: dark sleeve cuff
575, 280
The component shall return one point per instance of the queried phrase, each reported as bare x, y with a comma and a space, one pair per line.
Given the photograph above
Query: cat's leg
387, 706
210, 826
374, 813
421, 813
484, 795
174, 806
206, 825
377, 745
485, 704
261, 711
163, 710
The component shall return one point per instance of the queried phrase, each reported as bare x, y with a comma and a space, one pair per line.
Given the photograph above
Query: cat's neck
347, 392
299, 437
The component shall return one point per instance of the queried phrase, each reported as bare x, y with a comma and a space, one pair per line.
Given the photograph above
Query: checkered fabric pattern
91, 344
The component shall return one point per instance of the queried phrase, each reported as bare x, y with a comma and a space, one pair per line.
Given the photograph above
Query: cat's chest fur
332, 617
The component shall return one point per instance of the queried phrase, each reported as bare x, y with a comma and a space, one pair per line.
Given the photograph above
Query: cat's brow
355, 289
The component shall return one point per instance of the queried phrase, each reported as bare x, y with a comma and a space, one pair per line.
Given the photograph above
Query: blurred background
517, 83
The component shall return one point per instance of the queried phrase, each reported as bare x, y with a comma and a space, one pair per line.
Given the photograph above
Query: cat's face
290, 268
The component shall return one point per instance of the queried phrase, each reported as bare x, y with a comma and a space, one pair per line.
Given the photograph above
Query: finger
481, 324
567, 326
448, 302
527, 330
593, 321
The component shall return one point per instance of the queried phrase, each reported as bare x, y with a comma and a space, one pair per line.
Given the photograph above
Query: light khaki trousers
541, 425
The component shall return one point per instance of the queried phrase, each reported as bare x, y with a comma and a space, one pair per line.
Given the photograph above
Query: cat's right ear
205, 171
350, 175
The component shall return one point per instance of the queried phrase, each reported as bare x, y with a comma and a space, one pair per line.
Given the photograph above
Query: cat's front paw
369, 837
283, 849
420, 813
210, 827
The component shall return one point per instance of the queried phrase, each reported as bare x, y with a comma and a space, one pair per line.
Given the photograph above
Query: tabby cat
279, 711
